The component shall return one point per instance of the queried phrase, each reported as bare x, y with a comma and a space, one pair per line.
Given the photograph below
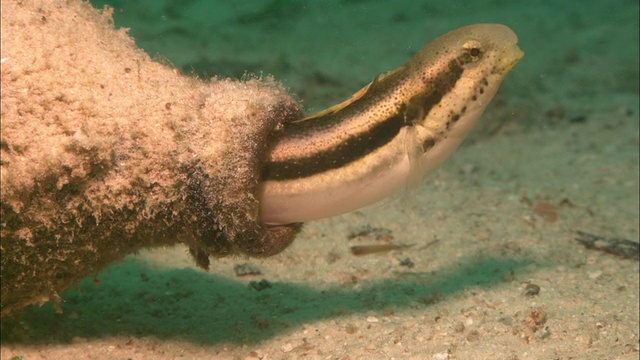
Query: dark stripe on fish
356, 146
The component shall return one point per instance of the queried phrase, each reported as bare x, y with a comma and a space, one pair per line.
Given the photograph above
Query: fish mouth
508, 59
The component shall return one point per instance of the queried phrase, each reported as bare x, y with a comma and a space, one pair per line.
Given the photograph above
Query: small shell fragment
360, 250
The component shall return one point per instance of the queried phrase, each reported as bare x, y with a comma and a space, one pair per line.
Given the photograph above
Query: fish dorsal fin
359, 94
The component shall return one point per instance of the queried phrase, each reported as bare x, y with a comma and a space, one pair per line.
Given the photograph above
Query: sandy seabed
494, 270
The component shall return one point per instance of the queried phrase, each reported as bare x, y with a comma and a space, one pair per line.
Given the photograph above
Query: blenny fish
390, 133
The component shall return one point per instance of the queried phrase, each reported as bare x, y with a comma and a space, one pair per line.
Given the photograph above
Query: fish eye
472, 50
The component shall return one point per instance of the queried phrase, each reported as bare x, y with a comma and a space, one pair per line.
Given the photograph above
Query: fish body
390, 133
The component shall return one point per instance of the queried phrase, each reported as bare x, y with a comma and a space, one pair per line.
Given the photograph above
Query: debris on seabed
624, 248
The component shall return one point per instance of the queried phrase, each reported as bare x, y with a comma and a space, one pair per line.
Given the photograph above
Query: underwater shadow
134, 300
